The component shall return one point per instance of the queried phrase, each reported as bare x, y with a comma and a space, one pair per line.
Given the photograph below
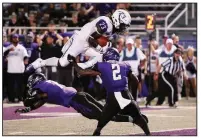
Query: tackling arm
82, 72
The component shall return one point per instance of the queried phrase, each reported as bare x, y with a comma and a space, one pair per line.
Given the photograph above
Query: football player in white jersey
85, 40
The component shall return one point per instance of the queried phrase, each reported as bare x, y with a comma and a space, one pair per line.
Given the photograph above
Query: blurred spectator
164, 42
90, 10
31, 19
12, 23
105, 8
50, 49
122, 6
175, 39
6, 43
31, 47
16, 55
51, 32
191, 72
74, 6
82, 17
74, 21
120, 45
22, 19
138, 42
133, 55
45, 20
65, 74
179, 76
152, 67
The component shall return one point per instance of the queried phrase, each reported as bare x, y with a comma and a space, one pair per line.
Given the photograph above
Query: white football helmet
121, 20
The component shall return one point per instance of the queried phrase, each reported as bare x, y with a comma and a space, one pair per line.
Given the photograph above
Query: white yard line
15, 133
69, 133
162, 115
166, 130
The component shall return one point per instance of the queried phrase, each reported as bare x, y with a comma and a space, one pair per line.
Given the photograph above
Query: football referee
167, 80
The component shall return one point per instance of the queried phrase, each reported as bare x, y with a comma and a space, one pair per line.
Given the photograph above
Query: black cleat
96, 133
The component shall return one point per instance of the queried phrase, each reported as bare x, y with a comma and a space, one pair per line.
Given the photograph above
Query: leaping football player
86, 40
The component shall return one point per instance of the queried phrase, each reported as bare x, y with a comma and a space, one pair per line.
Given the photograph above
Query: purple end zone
182, 132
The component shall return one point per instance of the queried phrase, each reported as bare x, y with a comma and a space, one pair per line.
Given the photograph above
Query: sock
51, 61
130, 119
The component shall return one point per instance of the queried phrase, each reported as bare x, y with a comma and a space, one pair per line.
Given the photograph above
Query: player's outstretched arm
82, 72
36, 105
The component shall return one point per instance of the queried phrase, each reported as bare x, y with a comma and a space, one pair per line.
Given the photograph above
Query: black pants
167, 87
15, 86
65, 76
133, 85
5, 86
85, 105
149, 80
112, 107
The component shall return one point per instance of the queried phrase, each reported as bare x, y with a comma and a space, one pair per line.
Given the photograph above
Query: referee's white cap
169, 41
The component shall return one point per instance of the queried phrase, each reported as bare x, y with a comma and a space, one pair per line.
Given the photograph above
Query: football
102, 41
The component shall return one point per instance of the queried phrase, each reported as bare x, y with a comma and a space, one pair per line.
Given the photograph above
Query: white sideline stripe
69, 133
162, 115
165, 107
78, 114
51, 114
167, 130
14, 133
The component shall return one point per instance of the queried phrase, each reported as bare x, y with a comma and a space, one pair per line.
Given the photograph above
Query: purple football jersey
57, 93
114, 76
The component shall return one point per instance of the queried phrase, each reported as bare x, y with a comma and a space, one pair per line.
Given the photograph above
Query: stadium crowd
48, 43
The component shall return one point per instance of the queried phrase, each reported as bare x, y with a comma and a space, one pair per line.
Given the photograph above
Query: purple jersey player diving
40, 91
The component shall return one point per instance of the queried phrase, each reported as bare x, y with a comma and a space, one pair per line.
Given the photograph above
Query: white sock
51, 61
130, 119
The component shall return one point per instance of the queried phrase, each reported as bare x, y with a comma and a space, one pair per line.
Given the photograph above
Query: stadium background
39, 22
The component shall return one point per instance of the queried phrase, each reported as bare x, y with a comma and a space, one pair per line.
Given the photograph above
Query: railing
175, 28
130, 29
66, 29
153, 5
168, 16
185, 10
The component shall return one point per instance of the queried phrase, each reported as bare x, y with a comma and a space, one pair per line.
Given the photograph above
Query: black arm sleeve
85, 72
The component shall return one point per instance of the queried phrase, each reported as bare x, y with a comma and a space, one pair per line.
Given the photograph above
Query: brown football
102, 41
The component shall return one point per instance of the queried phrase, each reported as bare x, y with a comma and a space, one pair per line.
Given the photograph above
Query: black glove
25, 110
71, 59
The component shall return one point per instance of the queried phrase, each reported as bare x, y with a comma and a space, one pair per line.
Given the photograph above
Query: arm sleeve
90, 63
85, 72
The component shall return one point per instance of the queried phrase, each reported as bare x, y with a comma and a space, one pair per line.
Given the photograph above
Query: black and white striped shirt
173, 67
